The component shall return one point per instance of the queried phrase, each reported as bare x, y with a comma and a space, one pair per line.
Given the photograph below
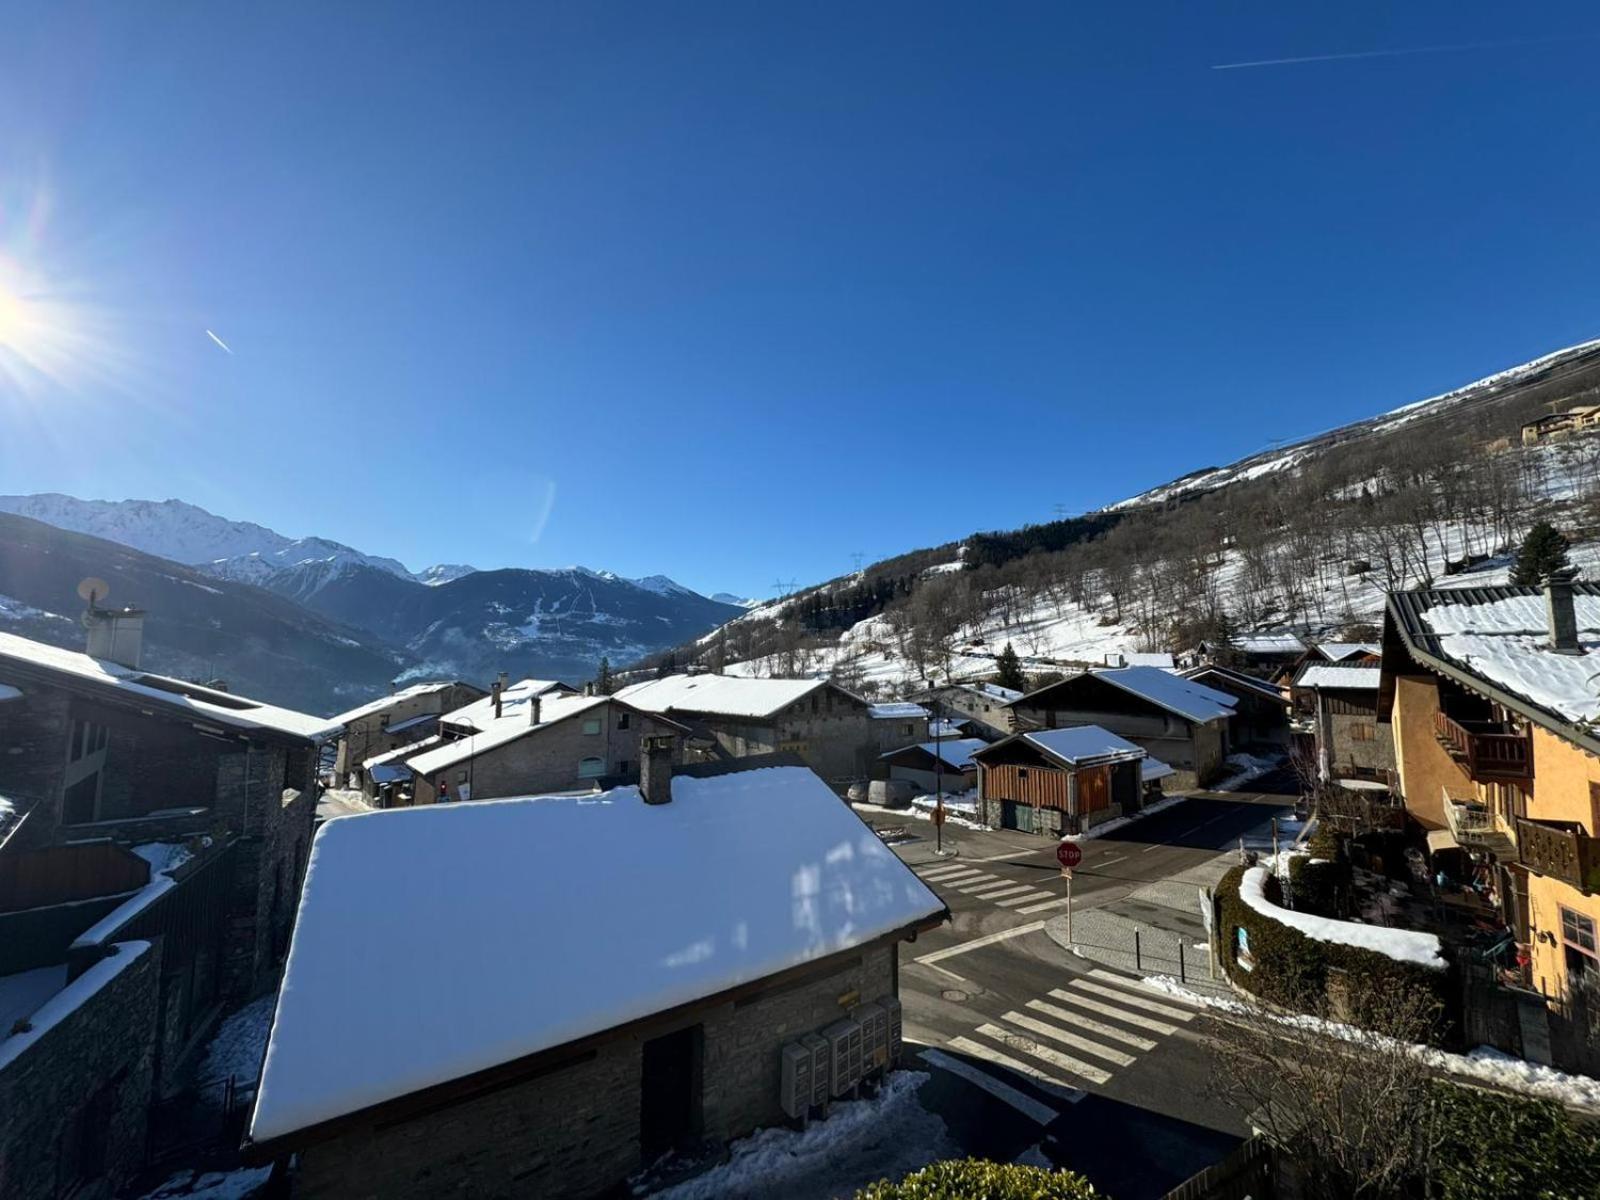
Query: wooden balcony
1560, 850
1489, 751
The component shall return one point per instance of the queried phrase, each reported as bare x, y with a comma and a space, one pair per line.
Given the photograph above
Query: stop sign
1068, 855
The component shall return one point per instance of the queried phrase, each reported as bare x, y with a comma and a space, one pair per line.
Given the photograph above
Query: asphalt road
1026, 1043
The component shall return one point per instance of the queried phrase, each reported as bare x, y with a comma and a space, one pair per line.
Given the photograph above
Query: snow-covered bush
975, 1179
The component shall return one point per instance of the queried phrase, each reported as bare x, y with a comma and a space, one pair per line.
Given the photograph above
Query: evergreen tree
1010, 670
1544, 550
603, 684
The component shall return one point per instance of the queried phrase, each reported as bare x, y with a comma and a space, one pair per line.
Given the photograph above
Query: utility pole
938, 784
856, 559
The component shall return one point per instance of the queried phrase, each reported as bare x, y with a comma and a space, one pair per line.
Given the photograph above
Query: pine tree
1544, 550
603, 684
1010, 670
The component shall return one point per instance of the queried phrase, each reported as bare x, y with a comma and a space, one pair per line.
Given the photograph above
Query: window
624, 720
910, 730
1022, 772
591, 768
591, 725
461, 776
1594, 810
1362, 731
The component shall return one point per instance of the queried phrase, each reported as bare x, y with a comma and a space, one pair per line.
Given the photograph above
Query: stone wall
86, 1077
33, 755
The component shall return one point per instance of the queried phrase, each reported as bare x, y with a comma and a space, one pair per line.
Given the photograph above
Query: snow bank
1247, 768
1109, 826
62, 1005
1402, 945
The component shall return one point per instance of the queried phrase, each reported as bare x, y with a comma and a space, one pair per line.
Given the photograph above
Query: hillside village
1137, 824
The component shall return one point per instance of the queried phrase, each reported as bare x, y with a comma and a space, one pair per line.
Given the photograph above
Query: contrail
1311, 58
219, 341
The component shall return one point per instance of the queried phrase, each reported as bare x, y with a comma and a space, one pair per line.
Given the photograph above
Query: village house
831, 730
1059, 781
374, 729
1260, 711
896, 724
153, 841
1140, 658
1339, 707
946, 764
1264, 654
548, 743
1556, 427
980, 706
685, 1005
1179, 722
1491, 696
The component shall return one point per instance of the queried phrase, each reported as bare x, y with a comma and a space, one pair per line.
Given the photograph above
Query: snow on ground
924, 813
861, 1142
212, 1185
1109, 826
238, 1047
1483, 1063
1246, 768
1402, 945
954, 802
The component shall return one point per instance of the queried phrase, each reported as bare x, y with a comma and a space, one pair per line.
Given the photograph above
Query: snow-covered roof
947, 727
1349, 679
384, 702
719, 695
897, 710
1339, 651
221, 708
499, 733
954, 752
1402, 945
1240, 678
384, 773
513, 703
995, 692
1083, 743
1140, 658
401, 752
411, 722
467, 911
1151, 769
1268, 643
1183, 696
1501, 635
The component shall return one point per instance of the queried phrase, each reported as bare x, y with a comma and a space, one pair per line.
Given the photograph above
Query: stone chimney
495, 692
115, 634
533, 711
1559, 608
655, 768
503, 680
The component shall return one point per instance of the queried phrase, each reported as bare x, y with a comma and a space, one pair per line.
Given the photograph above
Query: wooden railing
1489, 750
1560, 850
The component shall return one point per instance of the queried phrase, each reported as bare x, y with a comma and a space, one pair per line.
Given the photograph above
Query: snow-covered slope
738, 601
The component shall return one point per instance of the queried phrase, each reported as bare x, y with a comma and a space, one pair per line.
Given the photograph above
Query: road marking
986, 940
946, 873
1041, 907
1139, 984
1044, 1029
967, 886
1093, 1026
1106, 862
1122, 997
1025, 899
1007, 854
1062, 1062
1009, 889
1025, 1104
1105, 1010
988, 1054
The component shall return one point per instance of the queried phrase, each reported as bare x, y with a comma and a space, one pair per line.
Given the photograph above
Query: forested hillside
1307, 538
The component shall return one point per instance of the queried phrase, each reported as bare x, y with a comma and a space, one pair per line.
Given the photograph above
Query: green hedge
975, 1179
1495, 1146
1319, 886
1292, 970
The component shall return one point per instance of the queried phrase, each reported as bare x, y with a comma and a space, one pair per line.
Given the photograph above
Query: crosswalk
1024, 899
1072, 1037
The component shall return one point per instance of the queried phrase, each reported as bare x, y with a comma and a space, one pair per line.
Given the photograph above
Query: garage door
1016, 816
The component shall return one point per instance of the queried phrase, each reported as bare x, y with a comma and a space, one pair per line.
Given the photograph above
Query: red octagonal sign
1068, 855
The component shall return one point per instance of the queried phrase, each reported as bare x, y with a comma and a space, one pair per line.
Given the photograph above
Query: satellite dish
91, 591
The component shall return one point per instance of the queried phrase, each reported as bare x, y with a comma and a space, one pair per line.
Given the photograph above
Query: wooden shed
1059, 781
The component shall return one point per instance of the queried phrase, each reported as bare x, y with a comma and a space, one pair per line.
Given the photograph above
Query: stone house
557, 743
982, 707
1176, 720
1059, 781
399, 719
1490, 696
828, 728
946, 763
1339, 704
1260, 711
682, 1005
148, 819
896, 724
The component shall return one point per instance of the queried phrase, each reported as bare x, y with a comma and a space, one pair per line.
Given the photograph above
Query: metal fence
1249, 1173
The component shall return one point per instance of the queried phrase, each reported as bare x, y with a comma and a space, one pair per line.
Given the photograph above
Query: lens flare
42, 339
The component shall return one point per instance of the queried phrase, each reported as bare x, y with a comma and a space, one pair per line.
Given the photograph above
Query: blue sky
731, 292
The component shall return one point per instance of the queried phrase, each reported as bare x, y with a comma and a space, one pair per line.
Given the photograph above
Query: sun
41, 336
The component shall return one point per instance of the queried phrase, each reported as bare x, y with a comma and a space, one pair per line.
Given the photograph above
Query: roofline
1545, 719
1091, 761
1265, 687
517, 1070
766, 716
111, 693
1105, 674
529, 729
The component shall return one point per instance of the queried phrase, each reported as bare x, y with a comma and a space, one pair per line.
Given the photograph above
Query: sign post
1068, 855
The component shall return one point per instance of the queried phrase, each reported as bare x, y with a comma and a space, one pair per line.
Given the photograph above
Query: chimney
495, 691
1558, 606
115, 634
655, 768
504, 680
533, 711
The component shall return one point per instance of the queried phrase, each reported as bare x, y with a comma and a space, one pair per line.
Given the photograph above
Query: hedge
975, 1179
1494, 1146
1292, 970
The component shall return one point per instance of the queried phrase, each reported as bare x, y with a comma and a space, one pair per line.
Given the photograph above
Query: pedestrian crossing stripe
1106, 1010
1093, 1026
1138, 985
1025, 1104
1057, 903
950, 873
1062, 1062
976, 884
1024, 899
1044, 1029
993, 892
990, 1055
1121, 996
